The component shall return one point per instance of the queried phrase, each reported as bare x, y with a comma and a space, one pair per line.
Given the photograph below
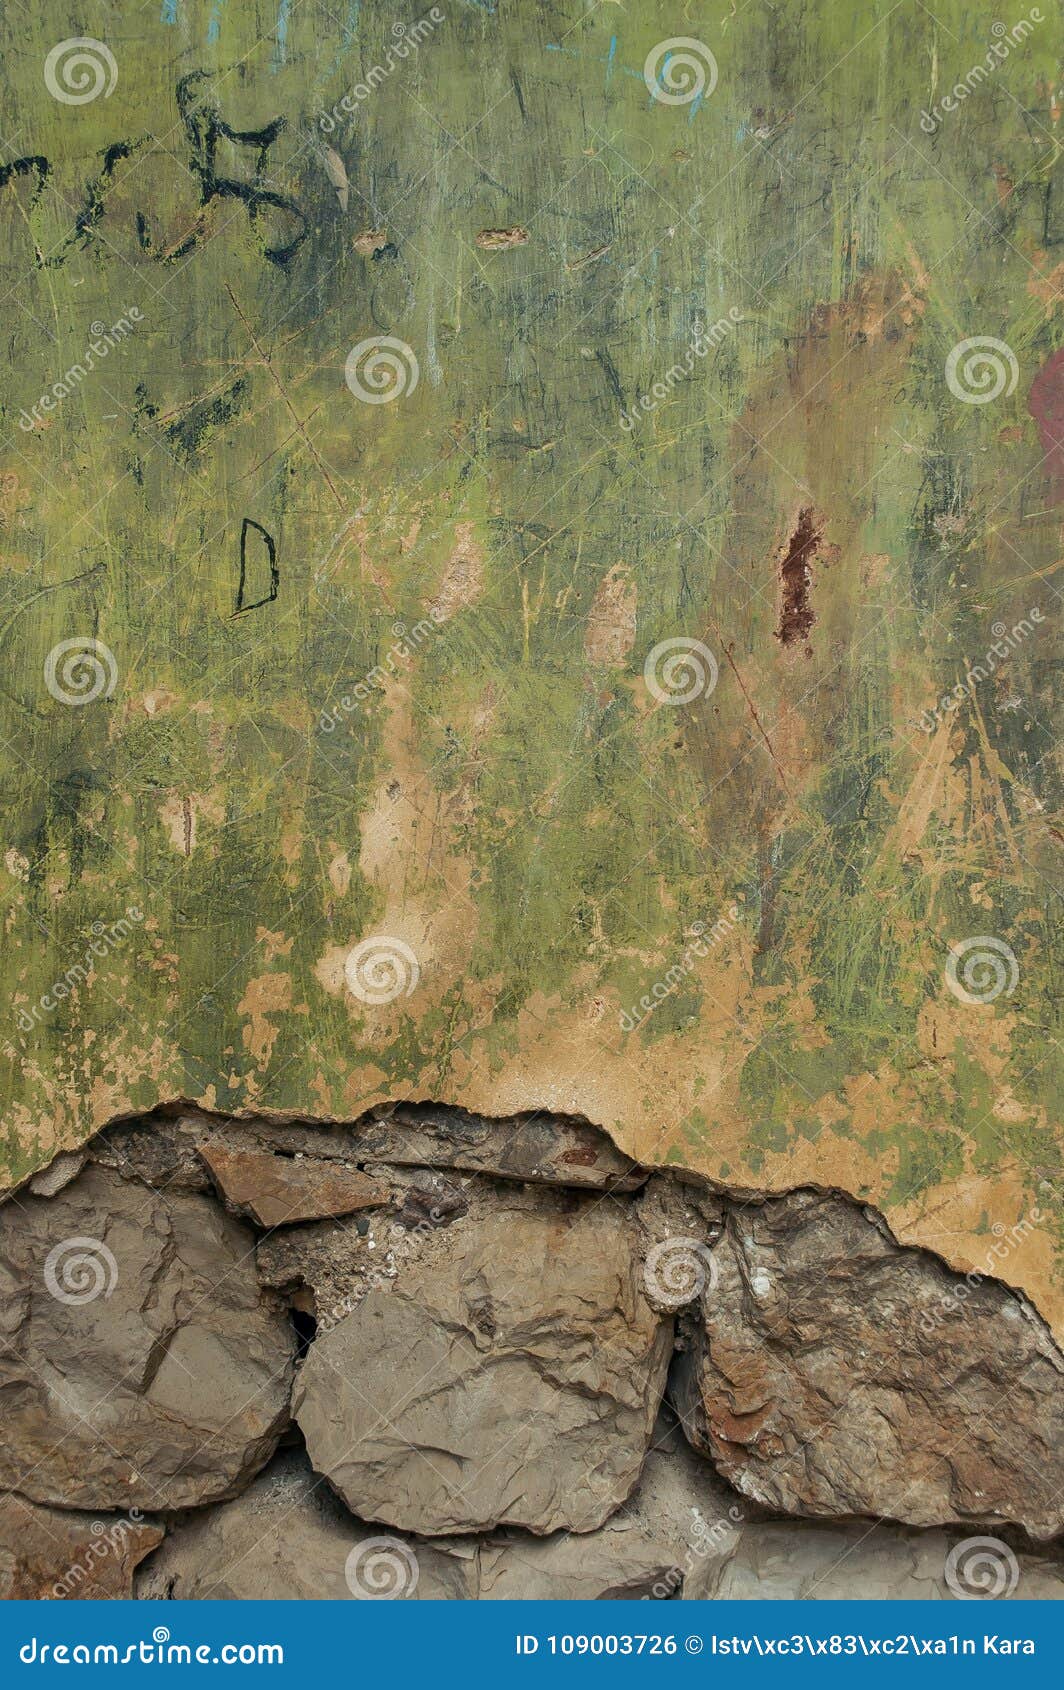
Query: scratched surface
385, 669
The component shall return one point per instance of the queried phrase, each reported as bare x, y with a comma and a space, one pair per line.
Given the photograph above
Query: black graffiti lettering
92, 212
204, 128
271, 554
33, 165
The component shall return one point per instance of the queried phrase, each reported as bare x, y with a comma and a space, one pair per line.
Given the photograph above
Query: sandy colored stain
463, 578
610, 633
266, 997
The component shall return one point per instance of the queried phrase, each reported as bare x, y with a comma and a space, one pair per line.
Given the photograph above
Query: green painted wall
781, 267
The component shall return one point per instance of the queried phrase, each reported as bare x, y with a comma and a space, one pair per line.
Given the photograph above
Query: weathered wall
506, 798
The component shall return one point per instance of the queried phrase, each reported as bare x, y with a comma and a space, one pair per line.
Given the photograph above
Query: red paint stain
796, 580
1046, 405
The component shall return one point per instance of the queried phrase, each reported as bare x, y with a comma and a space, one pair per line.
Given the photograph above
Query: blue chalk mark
612, 56
698, 101
350, 32
280, 52
169, 12
214, 24
571, 53
661, 74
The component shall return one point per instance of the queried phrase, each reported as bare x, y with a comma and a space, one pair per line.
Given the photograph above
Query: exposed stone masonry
237, 1355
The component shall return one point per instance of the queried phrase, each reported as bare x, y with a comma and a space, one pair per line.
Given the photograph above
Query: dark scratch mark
589, 257
71, 581
751, 706
609, 370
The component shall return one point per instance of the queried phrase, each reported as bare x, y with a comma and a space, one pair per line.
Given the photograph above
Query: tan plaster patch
610, 632
181, 815
463, 575
267, 995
